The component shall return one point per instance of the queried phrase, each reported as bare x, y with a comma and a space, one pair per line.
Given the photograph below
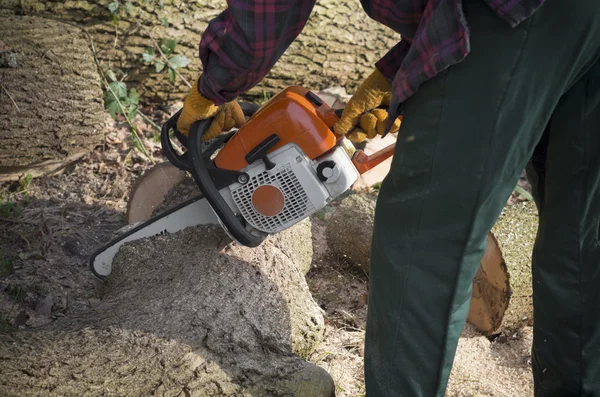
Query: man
482, 85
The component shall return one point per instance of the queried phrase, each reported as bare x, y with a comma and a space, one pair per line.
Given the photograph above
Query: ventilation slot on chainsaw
296, 204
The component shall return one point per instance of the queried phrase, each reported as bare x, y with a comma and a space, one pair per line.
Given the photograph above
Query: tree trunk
181, 315
51, 110
339, 45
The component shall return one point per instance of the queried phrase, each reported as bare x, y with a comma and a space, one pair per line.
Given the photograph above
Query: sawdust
50, 226
497, 366
500, 368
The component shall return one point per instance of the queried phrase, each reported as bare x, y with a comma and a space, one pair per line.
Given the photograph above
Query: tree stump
187, 314
51, 109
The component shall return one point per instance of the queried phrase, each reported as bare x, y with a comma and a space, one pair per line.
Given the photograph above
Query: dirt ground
50, 226
498, 366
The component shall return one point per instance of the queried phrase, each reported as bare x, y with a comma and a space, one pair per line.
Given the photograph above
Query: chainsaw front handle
200, 172
193, 160
182, 161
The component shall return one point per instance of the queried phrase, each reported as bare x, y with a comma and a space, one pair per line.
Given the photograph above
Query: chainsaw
280, 167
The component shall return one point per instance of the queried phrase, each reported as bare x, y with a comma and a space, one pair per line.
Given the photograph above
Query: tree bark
339, 45
187, 314
51, 110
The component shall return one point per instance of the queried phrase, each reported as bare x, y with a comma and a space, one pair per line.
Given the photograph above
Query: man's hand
361, 118
197, 107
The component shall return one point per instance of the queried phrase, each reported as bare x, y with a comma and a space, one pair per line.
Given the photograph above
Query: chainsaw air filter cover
274, 199
293, 160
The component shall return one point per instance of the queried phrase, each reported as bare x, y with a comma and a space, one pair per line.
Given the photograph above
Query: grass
25, 182
10, 213
266, 96
519, 190
9, 210
6, 267
5, 325
18, 299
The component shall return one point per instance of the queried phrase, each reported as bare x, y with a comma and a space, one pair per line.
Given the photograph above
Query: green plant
9, 210
118, 99
25, 181
167, 59
115, 8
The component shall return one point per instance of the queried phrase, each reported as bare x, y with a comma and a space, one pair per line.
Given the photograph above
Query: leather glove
197, 107
361, 119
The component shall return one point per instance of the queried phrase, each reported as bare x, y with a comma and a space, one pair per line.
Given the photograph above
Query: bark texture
51, 109
186, 314
339, 45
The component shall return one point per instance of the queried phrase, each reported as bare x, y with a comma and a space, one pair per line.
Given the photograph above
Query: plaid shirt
242, 44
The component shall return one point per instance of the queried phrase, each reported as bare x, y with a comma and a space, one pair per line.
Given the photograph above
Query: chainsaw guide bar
193, 212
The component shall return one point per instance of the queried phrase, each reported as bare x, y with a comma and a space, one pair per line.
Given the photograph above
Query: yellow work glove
197, 107
361, 119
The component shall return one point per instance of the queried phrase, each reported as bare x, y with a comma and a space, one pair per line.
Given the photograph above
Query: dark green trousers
532, 92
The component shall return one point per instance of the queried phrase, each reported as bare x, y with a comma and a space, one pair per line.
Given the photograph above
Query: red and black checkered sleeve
390, 63
242, 44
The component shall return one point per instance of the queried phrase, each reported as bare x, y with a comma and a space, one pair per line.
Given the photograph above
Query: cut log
353, 217
491, 287
339, 45
516, 230
491, 290
151, 190
51, 110
185, 314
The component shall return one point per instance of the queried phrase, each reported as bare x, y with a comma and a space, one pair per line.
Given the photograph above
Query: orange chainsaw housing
295, 115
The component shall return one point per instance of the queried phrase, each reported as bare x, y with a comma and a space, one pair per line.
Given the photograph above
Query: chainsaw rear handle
361, 160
